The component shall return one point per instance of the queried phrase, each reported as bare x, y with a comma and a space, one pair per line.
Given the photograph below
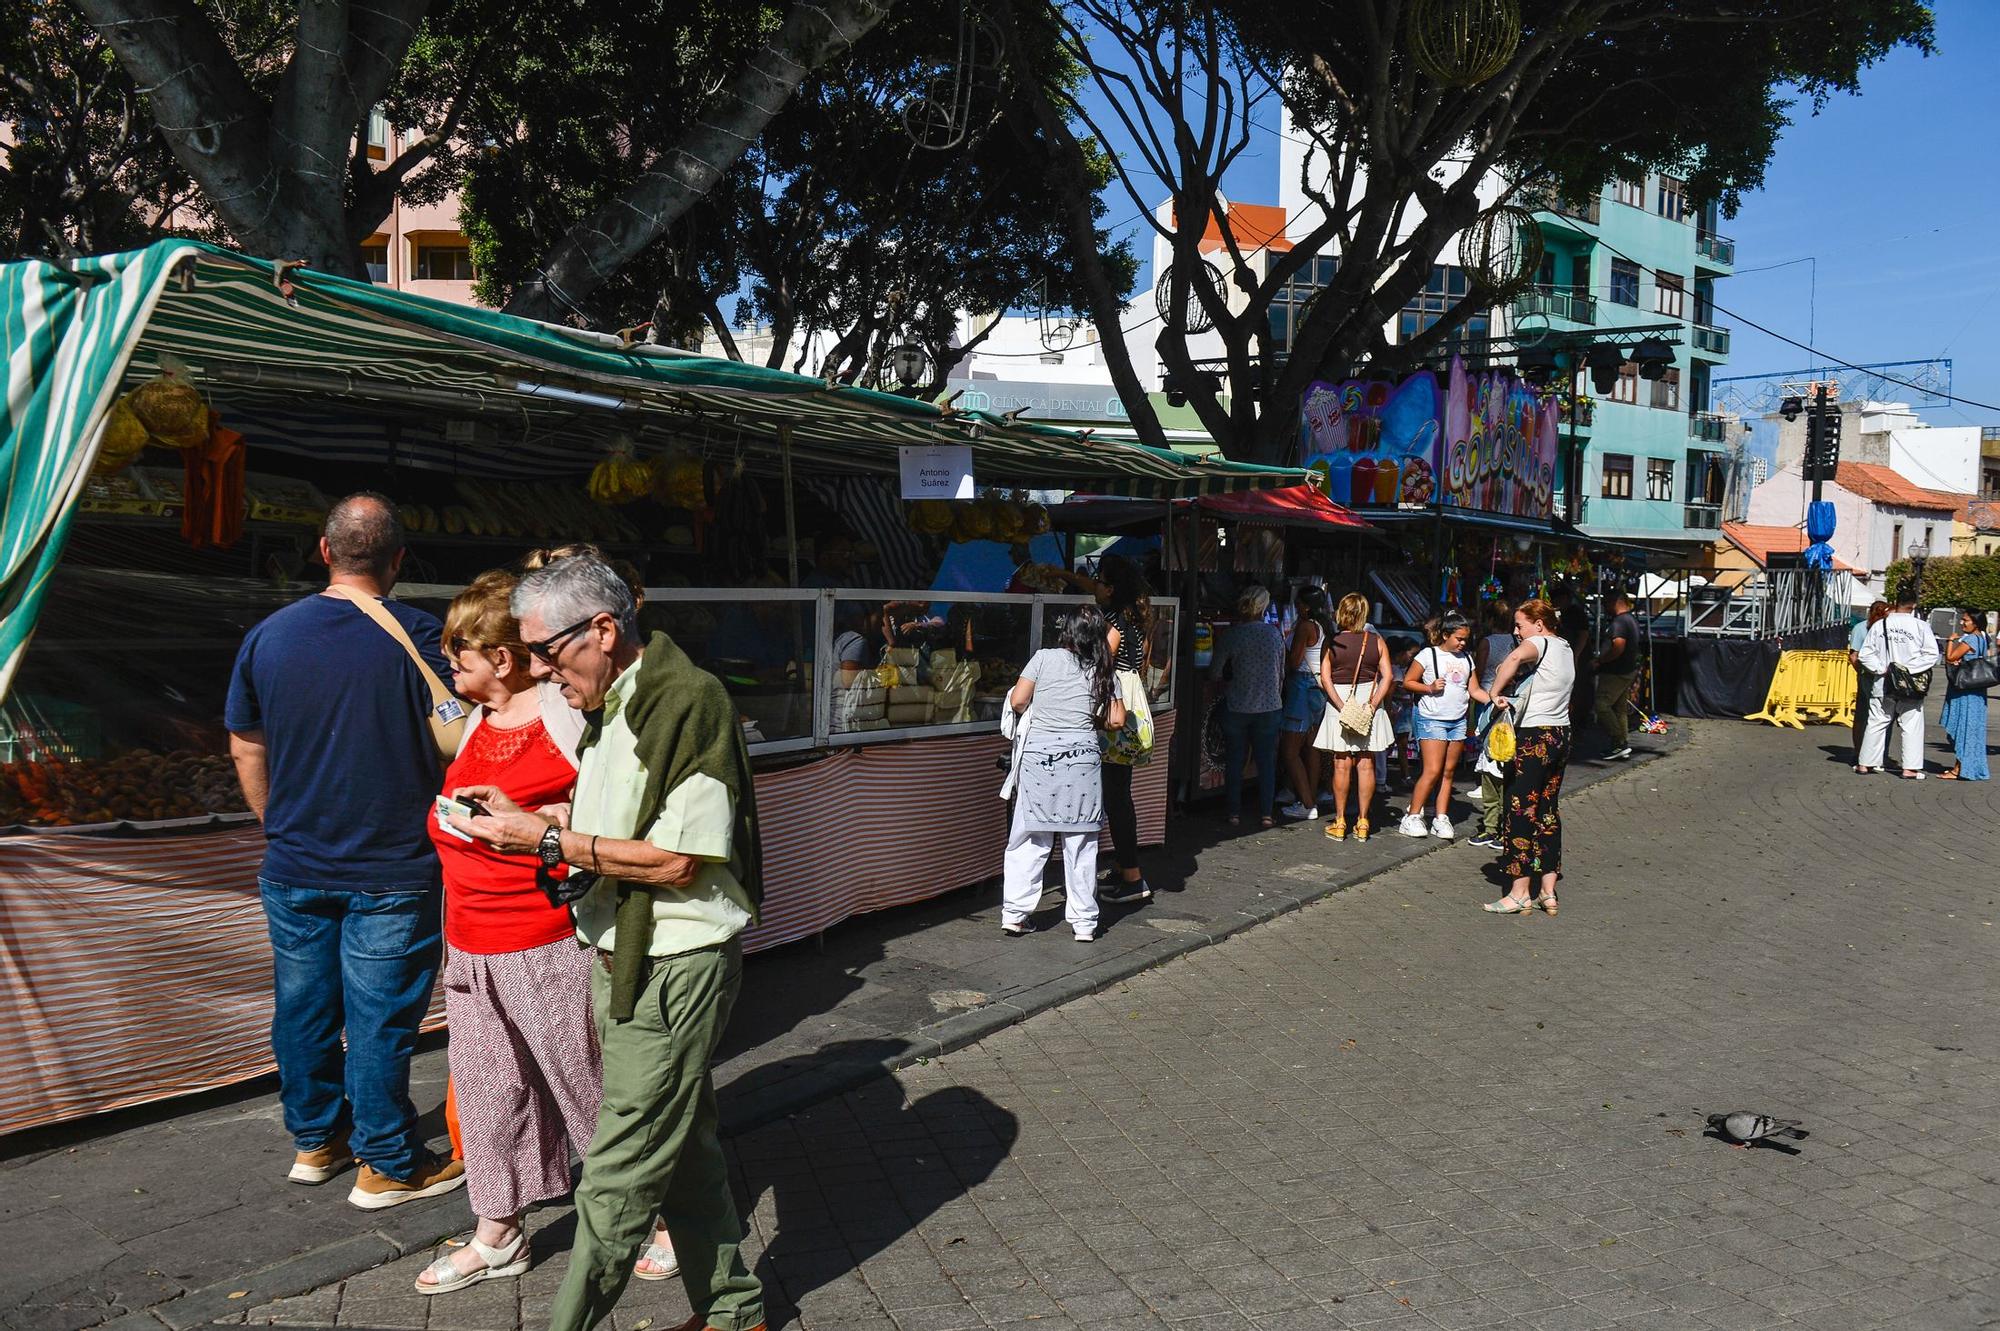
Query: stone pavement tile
940, 1317
1467, 1314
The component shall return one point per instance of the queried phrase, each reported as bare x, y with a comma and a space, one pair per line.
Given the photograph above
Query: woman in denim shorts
1441, 679
1304, 701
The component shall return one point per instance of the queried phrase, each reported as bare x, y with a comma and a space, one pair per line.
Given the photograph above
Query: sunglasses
545, 650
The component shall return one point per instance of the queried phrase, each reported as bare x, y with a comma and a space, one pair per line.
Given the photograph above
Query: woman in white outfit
1065, 701
1539, 675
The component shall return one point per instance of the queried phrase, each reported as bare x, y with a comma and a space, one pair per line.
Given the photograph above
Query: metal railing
1558, 303
1720, 248
1542, 198
1774, 604
1708, 337
1709, 426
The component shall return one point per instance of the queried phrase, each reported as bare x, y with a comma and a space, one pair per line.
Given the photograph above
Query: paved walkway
1387, 1106
1390, 1109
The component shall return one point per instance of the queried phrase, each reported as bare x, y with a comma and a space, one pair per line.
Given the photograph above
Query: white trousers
1028, 855
1907, 716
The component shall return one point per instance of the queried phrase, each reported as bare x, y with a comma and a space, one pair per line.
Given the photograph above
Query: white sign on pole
942, 471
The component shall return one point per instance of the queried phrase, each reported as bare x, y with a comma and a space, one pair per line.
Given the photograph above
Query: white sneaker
1442, 829
1412, 825
1298, 810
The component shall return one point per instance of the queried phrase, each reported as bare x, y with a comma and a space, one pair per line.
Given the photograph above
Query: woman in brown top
1356, 661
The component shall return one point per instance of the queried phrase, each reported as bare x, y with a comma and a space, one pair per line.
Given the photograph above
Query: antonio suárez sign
1487, 441
942, 471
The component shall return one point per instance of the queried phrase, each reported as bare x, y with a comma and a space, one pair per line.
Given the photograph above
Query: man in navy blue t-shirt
328, 726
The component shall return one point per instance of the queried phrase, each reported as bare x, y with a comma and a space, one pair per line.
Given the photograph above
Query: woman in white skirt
1355, 664
1063, 703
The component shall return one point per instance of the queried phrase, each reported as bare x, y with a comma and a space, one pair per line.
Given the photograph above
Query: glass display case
759, 641
941, 664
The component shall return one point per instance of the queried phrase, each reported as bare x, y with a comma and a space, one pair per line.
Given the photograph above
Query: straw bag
1357, 714
446, 716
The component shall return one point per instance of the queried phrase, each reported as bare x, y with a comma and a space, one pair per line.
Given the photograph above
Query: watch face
551, 847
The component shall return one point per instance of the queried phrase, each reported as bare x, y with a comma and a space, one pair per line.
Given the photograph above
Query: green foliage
835, 222
82, 172
1968, 582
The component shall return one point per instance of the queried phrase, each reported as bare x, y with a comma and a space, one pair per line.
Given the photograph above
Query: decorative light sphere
1463, 43
1502, 249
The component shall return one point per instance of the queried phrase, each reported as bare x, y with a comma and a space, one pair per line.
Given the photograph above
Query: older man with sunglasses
664, 818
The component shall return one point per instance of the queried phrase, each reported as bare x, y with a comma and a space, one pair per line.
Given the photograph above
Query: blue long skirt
1965, 721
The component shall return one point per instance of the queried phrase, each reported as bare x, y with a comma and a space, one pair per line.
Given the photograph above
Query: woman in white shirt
1539, 710
1441, 679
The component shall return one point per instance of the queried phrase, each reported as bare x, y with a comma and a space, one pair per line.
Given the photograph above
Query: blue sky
1895, 196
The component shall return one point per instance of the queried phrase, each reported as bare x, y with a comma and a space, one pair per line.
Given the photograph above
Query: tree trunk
614, 234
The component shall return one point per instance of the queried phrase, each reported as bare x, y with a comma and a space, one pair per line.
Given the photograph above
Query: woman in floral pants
1542, 673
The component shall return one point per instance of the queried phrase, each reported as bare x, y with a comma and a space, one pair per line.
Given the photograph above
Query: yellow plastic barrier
1809, 686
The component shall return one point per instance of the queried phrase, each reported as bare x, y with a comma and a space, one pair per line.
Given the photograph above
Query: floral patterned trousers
1534, 824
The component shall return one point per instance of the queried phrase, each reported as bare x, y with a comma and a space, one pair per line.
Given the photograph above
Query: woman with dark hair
1441, 679
1127, 607
1060, 705
1304, 701
1539, 709
1964, 717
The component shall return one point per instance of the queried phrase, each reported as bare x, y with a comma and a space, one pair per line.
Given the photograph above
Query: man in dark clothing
328, 718
1617, 667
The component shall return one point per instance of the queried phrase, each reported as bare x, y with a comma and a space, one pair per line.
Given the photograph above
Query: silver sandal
662, 1256
501, 1263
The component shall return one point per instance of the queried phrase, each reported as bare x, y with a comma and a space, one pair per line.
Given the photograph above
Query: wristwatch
550, 848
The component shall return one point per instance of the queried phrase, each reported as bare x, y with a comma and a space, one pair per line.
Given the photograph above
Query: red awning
1294, 506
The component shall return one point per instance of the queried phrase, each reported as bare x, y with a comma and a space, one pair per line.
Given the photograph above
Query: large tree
895, 192
266, 108
1403, 124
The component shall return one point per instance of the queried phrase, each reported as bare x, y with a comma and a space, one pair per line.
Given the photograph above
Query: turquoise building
1640, 255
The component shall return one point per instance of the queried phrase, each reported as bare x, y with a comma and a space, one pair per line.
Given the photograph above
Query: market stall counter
129, 851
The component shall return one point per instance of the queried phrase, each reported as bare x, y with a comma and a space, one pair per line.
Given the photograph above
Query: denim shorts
1305, 703
1427, 728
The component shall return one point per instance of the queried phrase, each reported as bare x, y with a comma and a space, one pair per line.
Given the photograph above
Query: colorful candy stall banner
1487, 439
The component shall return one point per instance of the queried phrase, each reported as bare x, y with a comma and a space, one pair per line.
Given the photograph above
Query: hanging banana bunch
620, 478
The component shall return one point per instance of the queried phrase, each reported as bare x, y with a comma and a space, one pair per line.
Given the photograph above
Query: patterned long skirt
1534, 823
525, 1069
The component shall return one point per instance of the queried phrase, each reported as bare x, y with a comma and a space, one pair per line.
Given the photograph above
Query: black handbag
1899, 681
1975, 674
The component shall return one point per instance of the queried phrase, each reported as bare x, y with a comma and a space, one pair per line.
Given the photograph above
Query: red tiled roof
1873, 481
1760, 543
1255, 226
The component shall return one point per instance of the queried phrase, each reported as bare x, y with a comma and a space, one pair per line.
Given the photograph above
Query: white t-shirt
1455, 669
1542, 699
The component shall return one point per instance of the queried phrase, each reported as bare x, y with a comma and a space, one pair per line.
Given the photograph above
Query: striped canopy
343, 369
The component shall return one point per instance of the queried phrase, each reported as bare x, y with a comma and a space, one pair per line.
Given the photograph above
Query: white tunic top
1544, 695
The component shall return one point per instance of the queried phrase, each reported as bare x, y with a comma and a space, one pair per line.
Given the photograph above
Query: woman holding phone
525, 1070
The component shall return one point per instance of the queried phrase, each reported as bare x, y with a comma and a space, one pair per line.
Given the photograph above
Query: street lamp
1919, 555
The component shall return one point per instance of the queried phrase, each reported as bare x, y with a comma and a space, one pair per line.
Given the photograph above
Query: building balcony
1709, 427
1543, 199
1711, 340
1566, 303
1702, 517
1718, 251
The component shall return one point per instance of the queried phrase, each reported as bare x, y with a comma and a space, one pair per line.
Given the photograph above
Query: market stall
135, 563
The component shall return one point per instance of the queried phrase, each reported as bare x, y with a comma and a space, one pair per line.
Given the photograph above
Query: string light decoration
1463, 43
940, 116
1502, 250
1194, 317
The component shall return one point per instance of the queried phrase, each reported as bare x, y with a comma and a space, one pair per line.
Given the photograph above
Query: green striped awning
78, 336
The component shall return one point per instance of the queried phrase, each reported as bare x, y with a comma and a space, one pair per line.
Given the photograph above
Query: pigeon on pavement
1743, 1128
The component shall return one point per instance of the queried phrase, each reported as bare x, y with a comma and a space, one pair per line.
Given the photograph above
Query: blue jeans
363, 963
1256, 732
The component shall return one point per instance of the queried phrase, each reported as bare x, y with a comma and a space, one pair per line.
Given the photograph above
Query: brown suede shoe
316, 1167
374, 1191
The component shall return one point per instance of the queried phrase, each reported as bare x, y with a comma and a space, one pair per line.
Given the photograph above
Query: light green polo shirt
698, 819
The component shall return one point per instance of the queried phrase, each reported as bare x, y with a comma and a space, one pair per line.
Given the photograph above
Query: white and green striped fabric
69, 335
77, 337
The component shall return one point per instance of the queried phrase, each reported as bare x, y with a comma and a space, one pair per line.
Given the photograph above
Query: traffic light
1822, 441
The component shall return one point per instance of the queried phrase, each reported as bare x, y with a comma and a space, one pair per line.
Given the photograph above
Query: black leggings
1121, 814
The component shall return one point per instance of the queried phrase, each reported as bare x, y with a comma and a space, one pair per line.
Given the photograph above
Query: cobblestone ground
1391, 1109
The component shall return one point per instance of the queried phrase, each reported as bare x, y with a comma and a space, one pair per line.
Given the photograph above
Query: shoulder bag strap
1359, 657
446, 711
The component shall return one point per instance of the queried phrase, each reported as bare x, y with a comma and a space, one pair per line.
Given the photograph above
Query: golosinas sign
1487, 440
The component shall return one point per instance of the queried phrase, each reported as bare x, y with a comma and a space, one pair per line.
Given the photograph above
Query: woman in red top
525, 1067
